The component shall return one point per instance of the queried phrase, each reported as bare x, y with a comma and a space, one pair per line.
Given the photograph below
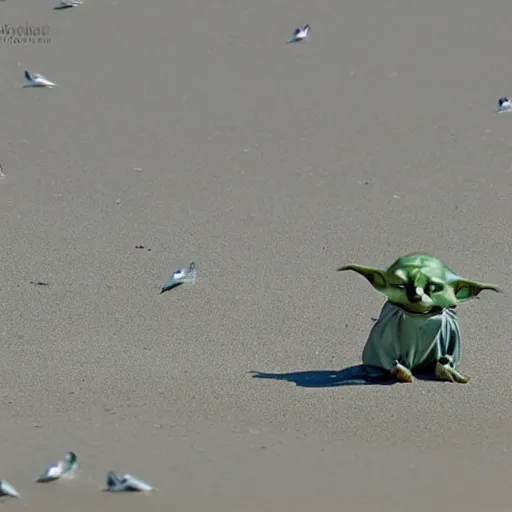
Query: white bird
300, 34
125, 483
63, 468
6, 489
37, 80
181, 276
68, 4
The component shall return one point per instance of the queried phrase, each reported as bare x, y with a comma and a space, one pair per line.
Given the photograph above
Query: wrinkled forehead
419, 271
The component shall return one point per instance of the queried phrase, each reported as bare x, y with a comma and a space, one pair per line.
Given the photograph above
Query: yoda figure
417, 329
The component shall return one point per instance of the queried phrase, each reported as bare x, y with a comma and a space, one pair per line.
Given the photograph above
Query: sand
269, 165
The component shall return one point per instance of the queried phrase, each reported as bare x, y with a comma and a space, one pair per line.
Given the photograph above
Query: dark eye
435, 288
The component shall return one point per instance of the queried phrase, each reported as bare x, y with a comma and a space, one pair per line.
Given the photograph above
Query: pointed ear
467, 290
374, 276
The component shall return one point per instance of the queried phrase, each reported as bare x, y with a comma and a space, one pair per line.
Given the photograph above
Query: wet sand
269, 165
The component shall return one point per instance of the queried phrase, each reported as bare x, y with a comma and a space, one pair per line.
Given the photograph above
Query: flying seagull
300, 34
37, 80
181, 276
504, 105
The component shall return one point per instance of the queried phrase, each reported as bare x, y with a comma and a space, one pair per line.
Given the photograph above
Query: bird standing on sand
504, 105
300, 34
37, 80
67, 5
181, 276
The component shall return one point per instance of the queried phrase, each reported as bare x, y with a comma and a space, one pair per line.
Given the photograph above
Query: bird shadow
358, 375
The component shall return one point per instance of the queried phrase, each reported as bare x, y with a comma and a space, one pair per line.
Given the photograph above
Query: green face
419, 282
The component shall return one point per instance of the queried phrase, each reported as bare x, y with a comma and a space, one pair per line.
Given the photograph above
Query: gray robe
415, 341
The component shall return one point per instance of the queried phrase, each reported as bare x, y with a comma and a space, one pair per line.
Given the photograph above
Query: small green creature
418, 328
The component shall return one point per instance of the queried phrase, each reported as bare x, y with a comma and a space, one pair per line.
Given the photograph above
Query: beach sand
269, 165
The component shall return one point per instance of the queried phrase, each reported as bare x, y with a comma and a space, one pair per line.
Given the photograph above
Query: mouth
419, 308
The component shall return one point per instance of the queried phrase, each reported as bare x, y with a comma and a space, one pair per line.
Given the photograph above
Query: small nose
414, 294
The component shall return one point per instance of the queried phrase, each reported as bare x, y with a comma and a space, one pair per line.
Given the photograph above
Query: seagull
300, 34
504, 105
67, 4
181, 276
62, 468
37, 80
125, 483
6, 489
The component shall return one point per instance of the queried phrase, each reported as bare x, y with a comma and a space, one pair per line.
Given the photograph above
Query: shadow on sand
359, 375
